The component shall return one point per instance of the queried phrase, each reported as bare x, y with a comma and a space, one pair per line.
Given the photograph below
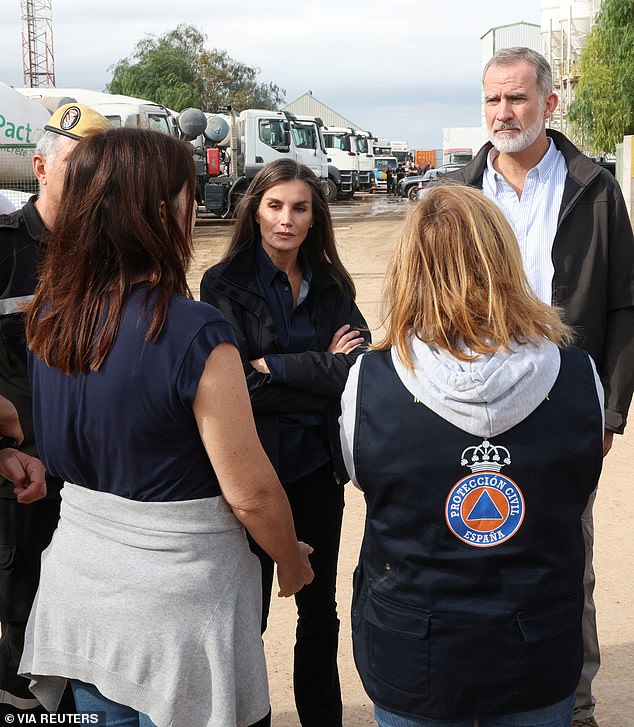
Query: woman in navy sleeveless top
476, 437
149, 598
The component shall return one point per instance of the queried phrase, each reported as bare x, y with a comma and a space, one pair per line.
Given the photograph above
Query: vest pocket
550, 646
397, 643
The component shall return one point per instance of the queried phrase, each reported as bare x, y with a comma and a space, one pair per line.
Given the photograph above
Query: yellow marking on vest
417, 400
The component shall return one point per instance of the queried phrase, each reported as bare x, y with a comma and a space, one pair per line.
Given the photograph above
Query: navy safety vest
469, 590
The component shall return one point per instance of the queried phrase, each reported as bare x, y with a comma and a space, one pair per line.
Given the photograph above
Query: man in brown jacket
576, 239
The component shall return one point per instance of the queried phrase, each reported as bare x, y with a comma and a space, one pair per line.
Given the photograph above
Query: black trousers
317, 505
25, 531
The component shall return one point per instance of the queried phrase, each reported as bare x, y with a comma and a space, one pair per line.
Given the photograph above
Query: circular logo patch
484, 509
70, 119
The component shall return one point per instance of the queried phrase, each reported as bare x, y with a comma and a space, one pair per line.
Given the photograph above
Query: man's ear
39, 168
550, 104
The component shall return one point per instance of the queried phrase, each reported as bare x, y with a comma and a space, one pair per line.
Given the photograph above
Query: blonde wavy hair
456, 280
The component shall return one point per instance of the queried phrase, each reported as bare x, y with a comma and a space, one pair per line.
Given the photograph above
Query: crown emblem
485, 456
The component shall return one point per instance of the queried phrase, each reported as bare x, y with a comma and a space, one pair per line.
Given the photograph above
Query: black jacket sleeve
310, 376
320, 372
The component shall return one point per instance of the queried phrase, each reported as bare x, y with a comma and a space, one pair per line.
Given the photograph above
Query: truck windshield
337, 141
272, 132
382, 164
304, 137
156, 122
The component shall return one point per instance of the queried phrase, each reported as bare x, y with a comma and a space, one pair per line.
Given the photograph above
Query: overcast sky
402, 68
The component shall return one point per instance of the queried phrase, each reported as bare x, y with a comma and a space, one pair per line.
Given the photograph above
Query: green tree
602, 111
176, 70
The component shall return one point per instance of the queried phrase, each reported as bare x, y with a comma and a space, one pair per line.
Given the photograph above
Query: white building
560, 36
565, 25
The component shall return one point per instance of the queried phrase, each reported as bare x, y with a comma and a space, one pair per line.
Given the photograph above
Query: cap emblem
70, 119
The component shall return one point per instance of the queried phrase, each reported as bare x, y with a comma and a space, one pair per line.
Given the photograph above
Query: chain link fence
17, 180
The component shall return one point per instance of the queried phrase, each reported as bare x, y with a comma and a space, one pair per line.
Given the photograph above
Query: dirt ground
366, 231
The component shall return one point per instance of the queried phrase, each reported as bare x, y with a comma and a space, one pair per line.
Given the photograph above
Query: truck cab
381, 163
309, 145
254, 138
118, 109
365, 151
342, 152
402, 152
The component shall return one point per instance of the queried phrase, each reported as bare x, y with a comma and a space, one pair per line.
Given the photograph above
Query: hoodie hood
487, 396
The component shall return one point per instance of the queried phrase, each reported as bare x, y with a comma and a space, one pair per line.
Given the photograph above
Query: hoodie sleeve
348, 420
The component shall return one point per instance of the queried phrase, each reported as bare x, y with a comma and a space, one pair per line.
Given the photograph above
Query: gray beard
522, 140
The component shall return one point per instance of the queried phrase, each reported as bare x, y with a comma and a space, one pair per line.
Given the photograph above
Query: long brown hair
319, 244
456, 278
117, 223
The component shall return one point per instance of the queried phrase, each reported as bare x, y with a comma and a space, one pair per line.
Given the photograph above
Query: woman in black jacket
290, 301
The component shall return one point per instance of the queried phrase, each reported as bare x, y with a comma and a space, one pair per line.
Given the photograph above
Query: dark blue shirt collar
267, 272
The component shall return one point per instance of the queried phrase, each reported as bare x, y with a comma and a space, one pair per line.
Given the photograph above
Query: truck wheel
238, 193
331, 194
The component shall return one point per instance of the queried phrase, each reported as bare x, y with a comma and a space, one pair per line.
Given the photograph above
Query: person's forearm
9, 421
270, 523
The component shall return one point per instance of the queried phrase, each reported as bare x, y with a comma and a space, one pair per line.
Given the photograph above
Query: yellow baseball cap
77, 120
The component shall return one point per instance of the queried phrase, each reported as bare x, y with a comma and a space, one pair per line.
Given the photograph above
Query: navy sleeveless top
129, 428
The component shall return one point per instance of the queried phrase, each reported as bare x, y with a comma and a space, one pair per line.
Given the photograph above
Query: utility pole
38, 61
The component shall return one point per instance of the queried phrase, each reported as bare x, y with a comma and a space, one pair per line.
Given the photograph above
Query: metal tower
38, 61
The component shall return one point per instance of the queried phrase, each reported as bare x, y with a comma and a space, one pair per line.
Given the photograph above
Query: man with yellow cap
26, 530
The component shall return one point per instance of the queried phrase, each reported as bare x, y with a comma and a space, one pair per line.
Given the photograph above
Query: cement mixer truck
25, 111
118, 109
234, 147
21, 123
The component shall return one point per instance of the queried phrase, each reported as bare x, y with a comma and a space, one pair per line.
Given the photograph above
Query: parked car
408, 186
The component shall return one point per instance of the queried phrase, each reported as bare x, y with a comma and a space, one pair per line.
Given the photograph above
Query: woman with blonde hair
475, 433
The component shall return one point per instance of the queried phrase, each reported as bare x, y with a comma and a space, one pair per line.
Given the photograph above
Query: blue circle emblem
484, 509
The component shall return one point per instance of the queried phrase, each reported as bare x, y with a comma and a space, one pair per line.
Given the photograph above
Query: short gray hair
511, 56
48, 145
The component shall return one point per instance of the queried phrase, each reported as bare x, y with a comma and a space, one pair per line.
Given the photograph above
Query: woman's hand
259, 364
345, 340
292, 580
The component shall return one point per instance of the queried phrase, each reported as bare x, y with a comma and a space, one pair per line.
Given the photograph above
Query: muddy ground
366, 230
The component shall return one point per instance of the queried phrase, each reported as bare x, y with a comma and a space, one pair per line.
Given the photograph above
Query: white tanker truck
229, 149
234, 147
21, 123
25, 111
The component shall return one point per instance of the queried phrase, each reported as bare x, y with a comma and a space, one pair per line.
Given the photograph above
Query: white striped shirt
534, 215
